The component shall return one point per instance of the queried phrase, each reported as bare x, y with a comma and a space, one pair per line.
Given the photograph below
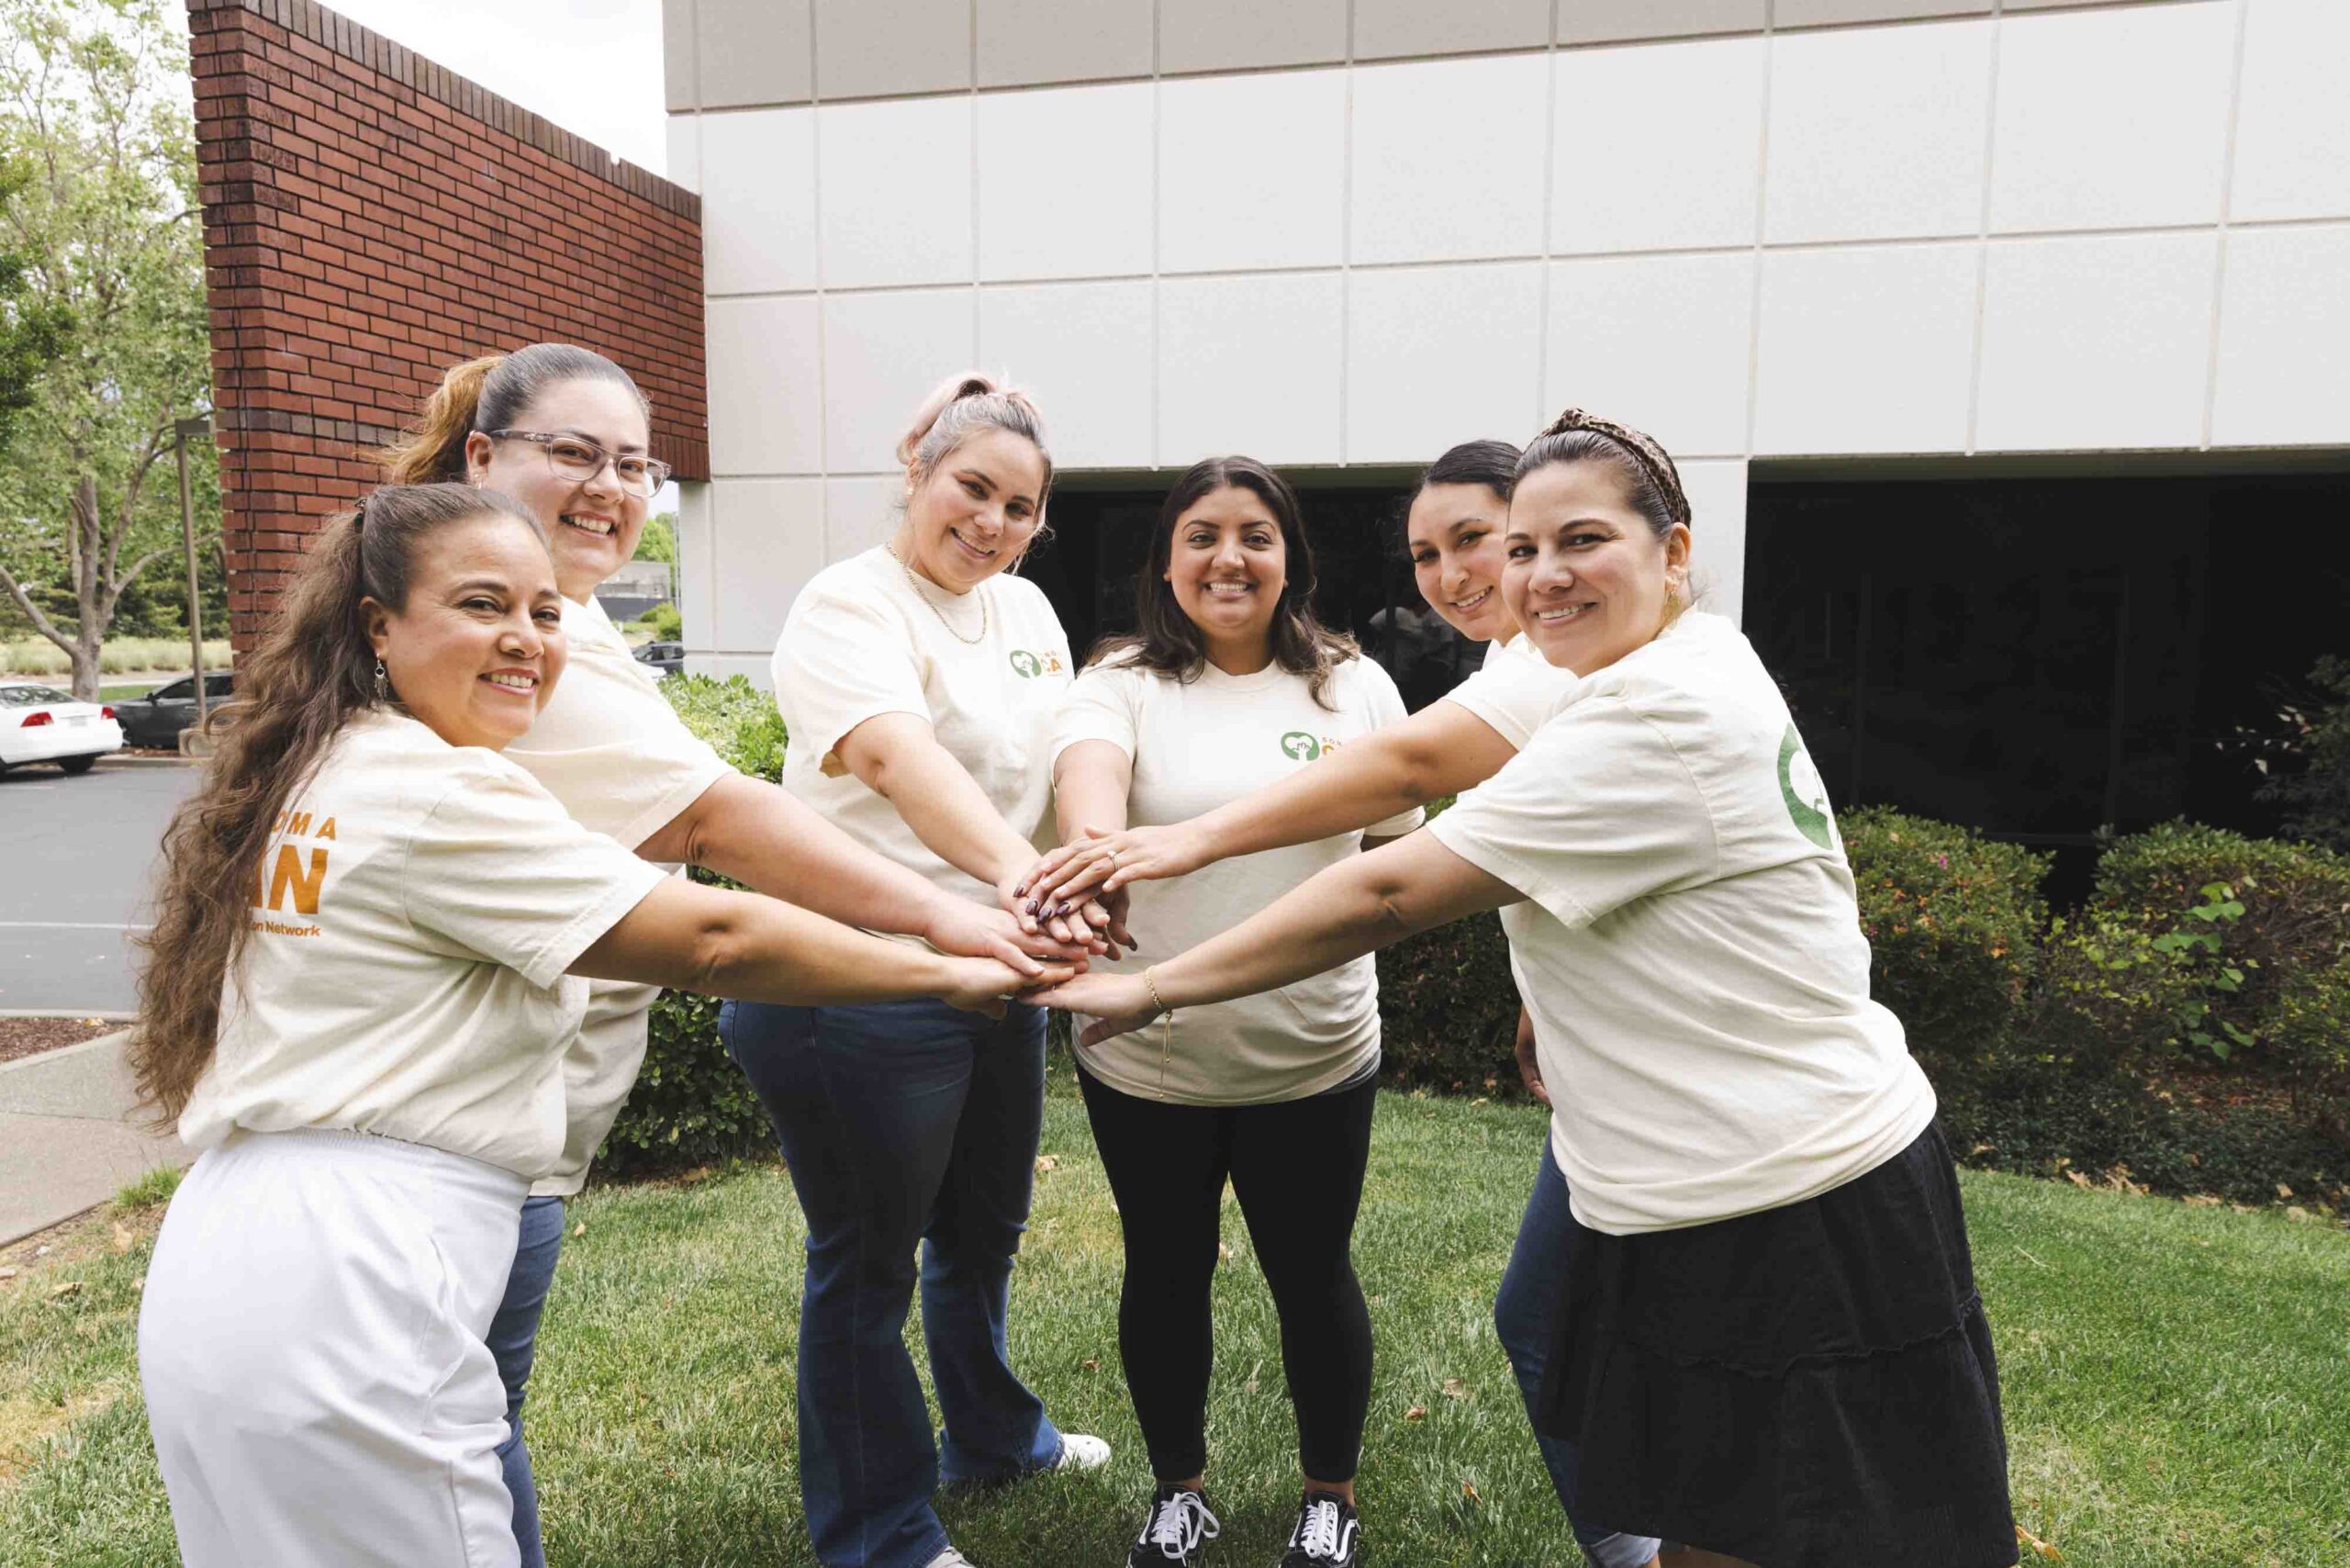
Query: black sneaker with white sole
1328, 1535
1179, 1528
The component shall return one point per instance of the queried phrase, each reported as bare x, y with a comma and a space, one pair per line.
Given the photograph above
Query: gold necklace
915, 583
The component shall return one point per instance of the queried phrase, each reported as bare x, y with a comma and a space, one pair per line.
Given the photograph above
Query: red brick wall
370, 219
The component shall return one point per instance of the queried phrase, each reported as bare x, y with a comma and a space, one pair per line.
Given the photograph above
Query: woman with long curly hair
363, 977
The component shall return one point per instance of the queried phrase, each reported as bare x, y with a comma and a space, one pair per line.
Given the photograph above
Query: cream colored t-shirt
863, 640
1689, 944
1196, 746
608, 747
1515, 692
413, 916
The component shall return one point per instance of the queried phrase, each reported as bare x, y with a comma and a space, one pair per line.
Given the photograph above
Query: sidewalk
64, 1142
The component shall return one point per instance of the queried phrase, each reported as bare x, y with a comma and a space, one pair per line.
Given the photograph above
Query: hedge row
2189, 1028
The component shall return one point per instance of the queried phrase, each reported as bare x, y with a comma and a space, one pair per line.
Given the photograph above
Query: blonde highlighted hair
962, 407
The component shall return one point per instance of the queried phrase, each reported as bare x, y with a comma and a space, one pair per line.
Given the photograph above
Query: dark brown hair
1493, 463
313, 671
1651, 483
1166, 640
489, 394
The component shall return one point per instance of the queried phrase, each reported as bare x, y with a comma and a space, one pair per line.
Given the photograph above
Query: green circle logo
1301, 745
1029, 666
1806, 795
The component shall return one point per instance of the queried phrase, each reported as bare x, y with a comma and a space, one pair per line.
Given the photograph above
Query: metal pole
182, 429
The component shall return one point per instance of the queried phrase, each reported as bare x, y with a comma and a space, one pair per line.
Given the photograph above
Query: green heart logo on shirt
1029, 666
1301, 745
1800, 787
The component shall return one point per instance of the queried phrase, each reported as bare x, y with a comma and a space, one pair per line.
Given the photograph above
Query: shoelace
1179, 1525
1317, 1530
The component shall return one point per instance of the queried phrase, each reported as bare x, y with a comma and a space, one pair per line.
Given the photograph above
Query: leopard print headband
1654, 461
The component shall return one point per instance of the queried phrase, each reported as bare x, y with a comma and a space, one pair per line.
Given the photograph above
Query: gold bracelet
1152, 986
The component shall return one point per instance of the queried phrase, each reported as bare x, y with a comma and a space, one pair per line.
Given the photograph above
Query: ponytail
432, 450
487, 394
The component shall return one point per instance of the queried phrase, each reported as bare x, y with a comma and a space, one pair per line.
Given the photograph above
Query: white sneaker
950, 1558
1082, 1452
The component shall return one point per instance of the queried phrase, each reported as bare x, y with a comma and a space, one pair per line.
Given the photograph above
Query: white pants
310, 1344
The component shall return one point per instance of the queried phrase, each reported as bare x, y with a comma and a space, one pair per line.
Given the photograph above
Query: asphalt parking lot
75, 859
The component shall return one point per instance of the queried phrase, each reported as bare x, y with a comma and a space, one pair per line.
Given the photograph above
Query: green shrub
1954, 922
1448, 1009
691, 1105
665, 622
2262, 928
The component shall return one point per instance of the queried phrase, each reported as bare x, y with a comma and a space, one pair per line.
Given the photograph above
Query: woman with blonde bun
919, 681
566, 433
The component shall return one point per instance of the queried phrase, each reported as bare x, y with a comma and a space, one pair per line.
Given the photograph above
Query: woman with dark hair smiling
356, 1008
566, 433
1453, 535
1769, 1343
1229, 685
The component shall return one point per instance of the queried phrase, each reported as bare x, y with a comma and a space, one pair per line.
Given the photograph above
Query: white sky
591, 66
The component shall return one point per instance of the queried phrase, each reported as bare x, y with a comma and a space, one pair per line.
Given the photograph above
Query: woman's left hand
1117, 1003
974, 931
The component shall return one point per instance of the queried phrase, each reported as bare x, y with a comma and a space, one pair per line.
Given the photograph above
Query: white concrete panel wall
2114, 227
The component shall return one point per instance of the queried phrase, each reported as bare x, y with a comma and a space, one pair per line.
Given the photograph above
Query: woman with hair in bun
1453, 532
919, 681
356, 1008
566, 433
1768, 1343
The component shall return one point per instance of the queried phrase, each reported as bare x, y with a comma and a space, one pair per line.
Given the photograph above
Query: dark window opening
2045, 658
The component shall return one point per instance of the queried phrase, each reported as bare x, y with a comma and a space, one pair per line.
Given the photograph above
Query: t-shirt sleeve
498, 869
1102, 704
1515, 693
1383, 705
1596, 811
842, 661
634, 782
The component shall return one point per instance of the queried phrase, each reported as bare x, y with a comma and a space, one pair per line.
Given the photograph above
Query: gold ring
1113, 860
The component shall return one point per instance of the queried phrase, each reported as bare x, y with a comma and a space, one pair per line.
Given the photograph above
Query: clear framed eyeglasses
577, 459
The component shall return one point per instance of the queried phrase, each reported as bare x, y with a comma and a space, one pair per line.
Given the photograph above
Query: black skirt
1812, 1385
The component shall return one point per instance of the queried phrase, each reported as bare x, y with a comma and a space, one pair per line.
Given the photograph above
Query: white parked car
41, 724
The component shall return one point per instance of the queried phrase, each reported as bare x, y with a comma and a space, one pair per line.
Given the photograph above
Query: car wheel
77, 766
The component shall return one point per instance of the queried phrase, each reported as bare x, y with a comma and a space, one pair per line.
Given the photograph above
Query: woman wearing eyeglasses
566, 433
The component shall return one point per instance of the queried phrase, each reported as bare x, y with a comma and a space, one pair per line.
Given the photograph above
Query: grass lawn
2177, 1379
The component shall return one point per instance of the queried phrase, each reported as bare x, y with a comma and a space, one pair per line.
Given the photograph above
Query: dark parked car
667, 658
157, 719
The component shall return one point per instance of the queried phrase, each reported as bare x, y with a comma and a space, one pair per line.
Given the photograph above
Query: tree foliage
107, 235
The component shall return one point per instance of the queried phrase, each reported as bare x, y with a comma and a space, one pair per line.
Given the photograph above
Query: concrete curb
102, 1014
62, 1053
116, 759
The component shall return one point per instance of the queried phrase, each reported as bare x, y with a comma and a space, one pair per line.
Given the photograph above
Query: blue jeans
1525, 1315
905, 1124
513, 1340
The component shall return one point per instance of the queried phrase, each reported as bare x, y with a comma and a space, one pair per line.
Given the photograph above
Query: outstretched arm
768, 839
754, 949
898, 757
1442, 750
1342, 912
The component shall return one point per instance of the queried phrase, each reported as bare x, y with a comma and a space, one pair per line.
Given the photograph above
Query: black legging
1297, 1167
